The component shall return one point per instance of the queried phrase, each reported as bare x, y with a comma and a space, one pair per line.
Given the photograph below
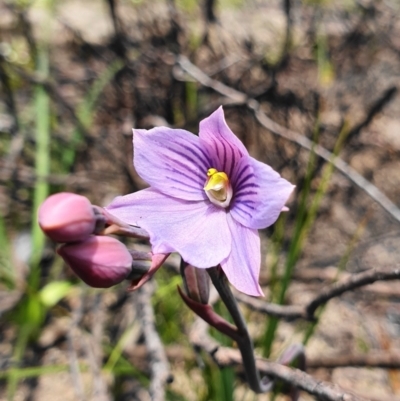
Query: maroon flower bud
67, 217
99, 261
196, 282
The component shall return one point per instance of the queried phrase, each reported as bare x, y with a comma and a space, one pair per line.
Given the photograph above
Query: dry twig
95, 352
160, 373
72, 354
374, 359
307, 312
225, 356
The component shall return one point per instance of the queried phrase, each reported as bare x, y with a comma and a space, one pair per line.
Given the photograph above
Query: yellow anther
211, 171
217, 180
218, 188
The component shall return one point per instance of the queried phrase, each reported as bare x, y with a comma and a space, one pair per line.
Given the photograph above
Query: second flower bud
100, 261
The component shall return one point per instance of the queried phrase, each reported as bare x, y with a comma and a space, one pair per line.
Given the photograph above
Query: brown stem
291, 312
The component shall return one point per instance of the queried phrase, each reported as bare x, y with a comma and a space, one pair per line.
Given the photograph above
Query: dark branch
307, 312
209, 11
353, 282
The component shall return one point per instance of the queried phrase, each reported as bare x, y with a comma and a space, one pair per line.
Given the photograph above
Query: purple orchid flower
207, 198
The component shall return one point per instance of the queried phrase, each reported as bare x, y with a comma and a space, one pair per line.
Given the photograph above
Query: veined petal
172, 161
242, 266
215, 127
223, 155
221, 143
260, 194
197, 230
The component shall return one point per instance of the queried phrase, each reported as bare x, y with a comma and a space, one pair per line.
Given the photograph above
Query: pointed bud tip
67, 217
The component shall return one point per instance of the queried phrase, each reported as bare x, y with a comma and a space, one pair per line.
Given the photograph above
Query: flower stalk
257, 384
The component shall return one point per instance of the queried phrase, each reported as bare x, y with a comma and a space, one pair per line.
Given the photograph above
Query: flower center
218, 188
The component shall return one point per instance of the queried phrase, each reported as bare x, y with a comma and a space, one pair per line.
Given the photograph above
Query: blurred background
76, 76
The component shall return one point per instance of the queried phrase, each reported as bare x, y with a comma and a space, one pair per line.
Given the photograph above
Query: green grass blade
42, 157
304, 221
118, 349
86, 111
30, 311
278, 294
310, 330
7, 275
